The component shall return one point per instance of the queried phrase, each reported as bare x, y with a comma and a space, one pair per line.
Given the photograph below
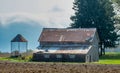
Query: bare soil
12, 67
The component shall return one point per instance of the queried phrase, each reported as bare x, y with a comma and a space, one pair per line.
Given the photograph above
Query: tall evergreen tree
96, 14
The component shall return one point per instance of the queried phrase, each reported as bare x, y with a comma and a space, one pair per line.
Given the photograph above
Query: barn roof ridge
69, 29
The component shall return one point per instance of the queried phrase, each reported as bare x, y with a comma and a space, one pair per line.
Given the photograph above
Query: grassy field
110, 58
17, 59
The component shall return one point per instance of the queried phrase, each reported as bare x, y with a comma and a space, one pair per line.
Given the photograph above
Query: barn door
88, 58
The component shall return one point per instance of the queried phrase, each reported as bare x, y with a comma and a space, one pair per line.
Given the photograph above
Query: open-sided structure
18, 45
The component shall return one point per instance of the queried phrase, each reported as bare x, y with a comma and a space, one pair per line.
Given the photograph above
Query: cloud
56, 8
33, 6
53, 19
48, 13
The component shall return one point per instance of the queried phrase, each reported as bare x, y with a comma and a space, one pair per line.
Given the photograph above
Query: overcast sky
28, 17
49, 12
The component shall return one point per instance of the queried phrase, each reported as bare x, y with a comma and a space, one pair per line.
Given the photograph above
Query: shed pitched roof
67, 50
79, 35
19, 38
75, 50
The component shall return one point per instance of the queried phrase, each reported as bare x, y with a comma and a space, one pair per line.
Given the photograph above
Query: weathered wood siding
93, 53
53, 57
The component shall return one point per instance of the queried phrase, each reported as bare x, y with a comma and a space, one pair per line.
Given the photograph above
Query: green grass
11, 59
17, 59
110, 58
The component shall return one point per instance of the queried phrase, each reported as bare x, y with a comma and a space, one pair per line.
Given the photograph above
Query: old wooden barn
68, 45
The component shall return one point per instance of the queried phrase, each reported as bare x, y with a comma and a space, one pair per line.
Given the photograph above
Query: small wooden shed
18, 45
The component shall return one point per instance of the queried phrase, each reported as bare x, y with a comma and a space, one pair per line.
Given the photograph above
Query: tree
96, 14
116, 1
117, 11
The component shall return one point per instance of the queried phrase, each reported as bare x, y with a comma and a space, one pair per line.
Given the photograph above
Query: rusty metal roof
19, 38
67, 35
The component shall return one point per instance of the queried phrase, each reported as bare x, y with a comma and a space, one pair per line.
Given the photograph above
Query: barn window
72, 56
46, 56
59, 56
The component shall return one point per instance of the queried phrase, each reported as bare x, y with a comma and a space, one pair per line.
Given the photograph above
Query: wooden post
19, 47
26, 48
11, 48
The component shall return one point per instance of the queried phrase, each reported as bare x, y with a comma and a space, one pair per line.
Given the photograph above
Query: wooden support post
19, 48
26, 48
11, 48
